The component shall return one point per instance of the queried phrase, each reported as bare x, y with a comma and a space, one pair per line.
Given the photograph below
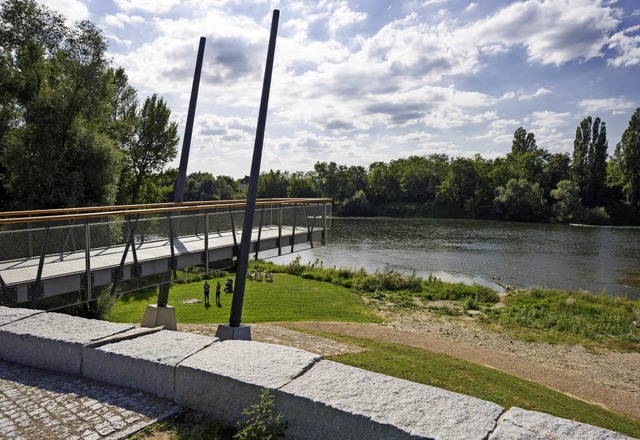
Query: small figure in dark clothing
218, 292
229, 286
206, 292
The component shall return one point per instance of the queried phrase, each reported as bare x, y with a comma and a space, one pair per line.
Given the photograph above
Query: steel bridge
48, 253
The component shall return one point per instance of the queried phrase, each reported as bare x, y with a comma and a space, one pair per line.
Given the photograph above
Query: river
480, 251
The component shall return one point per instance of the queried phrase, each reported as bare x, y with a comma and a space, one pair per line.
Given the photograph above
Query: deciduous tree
590, 159
627, 157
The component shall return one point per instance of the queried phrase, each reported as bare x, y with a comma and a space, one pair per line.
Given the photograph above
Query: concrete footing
318, 399
156, 316
227, 333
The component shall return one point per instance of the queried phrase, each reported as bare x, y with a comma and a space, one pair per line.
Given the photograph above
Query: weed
261, 423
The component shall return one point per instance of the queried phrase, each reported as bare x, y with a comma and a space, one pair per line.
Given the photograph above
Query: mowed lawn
287, 298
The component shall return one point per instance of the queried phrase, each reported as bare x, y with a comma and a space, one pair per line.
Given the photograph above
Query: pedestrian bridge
53, 252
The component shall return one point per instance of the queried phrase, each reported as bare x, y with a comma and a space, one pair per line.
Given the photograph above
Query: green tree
301, 185
590, 159
523, 142
461, 182
55, 94
556, 169
520, 200
626, 168
568, 206
153, 144
273, 184
383, 183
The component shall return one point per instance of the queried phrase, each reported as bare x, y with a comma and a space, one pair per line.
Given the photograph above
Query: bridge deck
63, 273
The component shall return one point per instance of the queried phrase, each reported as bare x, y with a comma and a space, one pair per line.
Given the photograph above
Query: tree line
74, 133
528, 184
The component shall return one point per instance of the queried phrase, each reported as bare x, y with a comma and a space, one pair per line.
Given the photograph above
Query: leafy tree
556, 169
383, 183
153, 144
626, 167
520, 200
419, 176
568, 206
339, 182
301, 185
461, 182
273, 184
590, 159
523, 142
357, 205
55, 93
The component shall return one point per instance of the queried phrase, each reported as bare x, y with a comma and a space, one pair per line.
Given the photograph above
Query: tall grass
398, 288
552, 315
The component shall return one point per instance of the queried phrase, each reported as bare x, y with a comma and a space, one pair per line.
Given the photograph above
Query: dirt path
609, 379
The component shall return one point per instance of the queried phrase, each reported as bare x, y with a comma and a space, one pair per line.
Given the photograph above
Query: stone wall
319, 399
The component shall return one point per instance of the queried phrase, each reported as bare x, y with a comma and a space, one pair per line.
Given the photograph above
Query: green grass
570, 317
287, 298
484, 383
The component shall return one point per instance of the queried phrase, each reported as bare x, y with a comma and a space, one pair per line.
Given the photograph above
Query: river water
480, 251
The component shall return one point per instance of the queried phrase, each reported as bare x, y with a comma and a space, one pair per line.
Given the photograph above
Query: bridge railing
32, 239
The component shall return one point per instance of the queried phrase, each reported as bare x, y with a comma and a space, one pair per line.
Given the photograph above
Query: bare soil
607, 378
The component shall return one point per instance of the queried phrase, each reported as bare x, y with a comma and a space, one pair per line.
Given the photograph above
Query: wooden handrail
36, 216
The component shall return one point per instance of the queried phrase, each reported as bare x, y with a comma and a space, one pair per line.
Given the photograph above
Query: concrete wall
319, 399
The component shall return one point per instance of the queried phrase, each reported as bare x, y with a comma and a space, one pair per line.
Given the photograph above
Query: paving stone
28, 391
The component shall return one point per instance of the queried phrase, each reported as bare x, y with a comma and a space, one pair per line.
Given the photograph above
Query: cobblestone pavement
39, 404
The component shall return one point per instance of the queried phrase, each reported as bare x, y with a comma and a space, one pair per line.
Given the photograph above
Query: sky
357, 82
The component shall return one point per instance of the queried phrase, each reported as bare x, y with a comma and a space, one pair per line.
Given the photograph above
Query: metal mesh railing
34, 241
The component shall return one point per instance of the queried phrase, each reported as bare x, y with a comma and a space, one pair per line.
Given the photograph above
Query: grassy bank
287, 298
310, 292
475, 380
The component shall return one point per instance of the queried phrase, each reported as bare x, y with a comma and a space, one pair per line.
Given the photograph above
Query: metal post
243, 260
178, 193
87, 257
206, 242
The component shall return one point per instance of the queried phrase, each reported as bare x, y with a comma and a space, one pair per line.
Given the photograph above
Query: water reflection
519, 254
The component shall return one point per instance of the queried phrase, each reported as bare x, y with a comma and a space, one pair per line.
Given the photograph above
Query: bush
390, 280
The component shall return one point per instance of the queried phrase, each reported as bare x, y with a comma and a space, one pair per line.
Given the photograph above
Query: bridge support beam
235, 317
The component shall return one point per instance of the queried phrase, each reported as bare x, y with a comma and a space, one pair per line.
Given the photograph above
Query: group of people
228, 289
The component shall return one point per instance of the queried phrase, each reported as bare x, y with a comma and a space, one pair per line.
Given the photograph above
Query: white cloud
73, 10
119, 20
619, 103
549, 119
471, 6
342, 17
553, 32
149, 6
540, 92
628, 47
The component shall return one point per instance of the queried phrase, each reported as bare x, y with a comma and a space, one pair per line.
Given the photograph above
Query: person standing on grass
218, 292
206, 292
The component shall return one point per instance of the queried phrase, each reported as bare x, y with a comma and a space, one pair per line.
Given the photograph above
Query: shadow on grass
140, 295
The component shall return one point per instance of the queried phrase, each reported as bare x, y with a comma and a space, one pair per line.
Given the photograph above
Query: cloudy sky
373, 80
